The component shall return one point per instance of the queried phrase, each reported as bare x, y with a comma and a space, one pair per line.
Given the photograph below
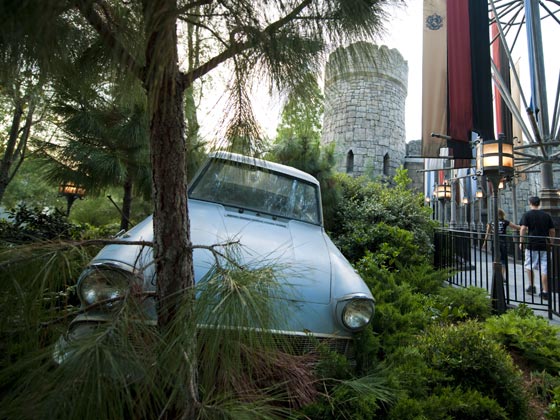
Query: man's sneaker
544, 295
531, 290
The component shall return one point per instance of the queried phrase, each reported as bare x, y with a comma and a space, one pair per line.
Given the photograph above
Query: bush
449, 403
473, 361
553, 412
399, 312
391, 223
473, 301
455, 371
530, 336
409, 300
31, 225
358, 398
423, 278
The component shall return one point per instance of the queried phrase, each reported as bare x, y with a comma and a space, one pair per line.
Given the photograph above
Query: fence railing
462, 251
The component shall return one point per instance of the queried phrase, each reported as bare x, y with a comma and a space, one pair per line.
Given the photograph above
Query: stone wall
365, 93
415, 165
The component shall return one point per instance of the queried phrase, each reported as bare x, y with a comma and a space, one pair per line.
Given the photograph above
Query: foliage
544, 387
458, 356
473, 301
31, 225
450, 403
553, 412
103, 143
301, 114
355, 398
408, 301
100, 211
398, 318
464, 353
531, 336
445, 366
30, 187
391, 223
38, 287
422, 278
128, 368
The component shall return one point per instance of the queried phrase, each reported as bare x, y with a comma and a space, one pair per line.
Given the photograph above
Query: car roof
272, 166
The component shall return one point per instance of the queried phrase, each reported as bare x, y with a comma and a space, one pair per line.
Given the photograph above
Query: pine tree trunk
8, 158
172, 245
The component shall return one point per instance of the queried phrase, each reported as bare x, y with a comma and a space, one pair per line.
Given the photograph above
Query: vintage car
274, 213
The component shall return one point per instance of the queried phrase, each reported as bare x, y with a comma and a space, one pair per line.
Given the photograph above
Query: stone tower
365, 109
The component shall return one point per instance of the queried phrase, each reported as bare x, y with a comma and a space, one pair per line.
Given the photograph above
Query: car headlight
357, 313
102, 282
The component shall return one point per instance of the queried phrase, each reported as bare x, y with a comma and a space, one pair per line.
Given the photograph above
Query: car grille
297, 344
304, 344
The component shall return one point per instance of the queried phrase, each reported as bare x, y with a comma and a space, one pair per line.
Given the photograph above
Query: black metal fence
472, 265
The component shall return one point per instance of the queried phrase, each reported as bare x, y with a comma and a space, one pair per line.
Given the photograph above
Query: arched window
386, 161
350, 162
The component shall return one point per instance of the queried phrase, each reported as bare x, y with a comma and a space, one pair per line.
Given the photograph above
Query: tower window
386, 161
350, 162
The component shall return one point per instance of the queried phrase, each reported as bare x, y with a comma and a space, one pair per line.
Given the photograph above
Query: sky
404, 32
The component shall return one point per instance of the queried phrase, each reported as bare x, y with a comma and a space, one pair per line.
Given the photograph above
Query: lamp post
480, 197
466, 208
472, 225
443, 193
494, 159
72, 192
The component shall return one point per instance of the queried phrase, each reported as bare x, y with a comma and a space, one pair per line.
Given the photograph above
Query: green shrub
529, 335
399, 313
31, 225
357, 398
410, 299
544, 387
104, 231
367, 346
553, 412
454, 371
423, 278
391, 222
474, 361
449, 403
332, 364
473, 301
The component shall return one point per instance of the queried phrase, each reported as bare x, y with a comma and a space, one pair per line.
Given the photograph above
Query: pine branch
109, 37
238, 47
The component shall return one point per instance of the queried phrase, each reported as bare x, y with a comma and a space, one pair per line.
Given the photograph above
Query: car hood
299, 250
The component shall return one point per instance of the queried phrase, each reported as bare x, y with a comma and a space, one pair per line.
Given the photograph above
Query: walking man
536, 226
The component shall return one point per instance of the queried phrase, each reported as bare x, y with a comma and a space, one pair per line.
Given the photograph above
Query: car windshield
249, 187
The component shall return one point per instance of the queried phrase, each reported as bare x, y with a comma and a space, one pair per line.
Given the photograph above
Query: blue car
273, 212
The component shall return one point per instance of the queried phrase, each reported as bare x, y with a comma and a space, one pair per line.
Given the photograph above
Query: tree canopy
276, 41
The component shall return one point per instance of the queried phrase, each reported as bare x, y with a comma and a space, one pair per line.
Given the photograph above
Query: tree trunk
126, 203
172, 245
8, 157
